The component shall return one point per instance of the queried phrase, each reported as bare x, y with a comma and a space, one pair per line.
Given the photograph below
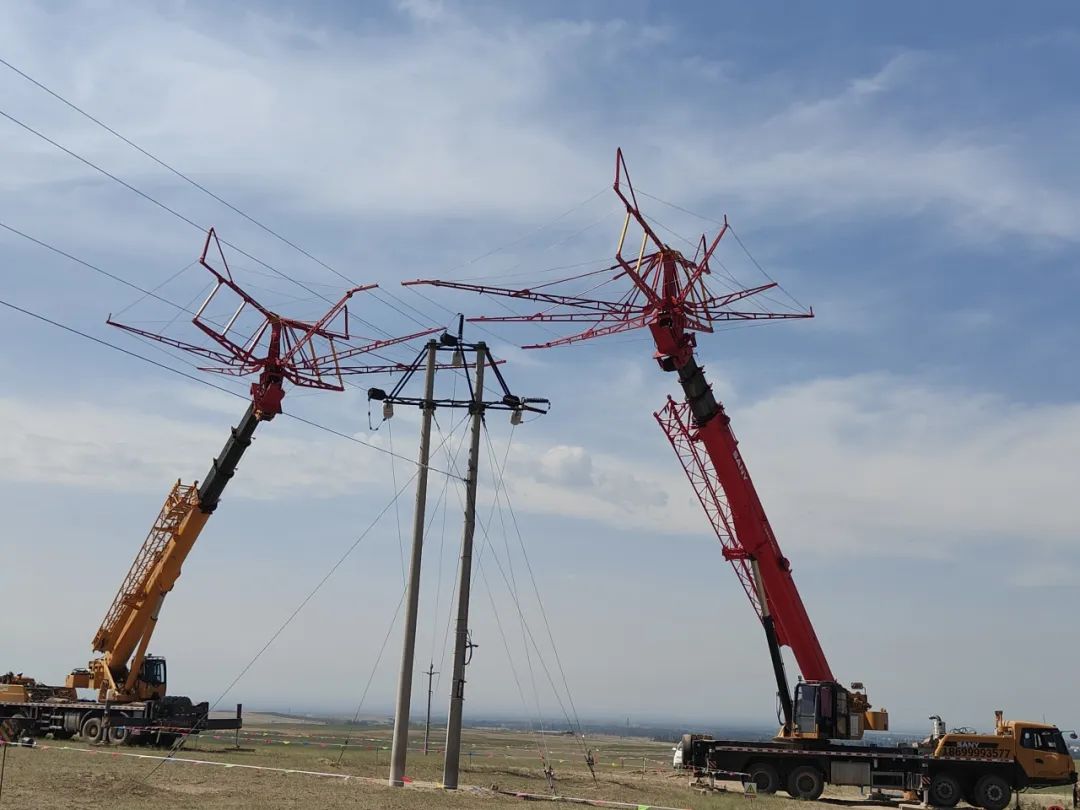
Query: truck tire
806, 782
992, 792
764, 776
118, 735
945, 790
92, 730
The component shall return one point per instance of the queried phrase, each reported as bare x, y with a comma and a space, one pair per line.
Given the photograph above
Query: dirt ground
282, 765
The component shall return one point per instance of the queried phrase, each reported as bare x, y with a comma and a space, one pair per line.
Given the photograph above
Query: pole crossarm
456, 345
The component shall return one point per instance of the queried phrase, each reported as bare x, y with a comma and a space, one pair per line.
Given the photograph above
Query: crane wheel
806, 782
945, 790
764, 776
92, 730
119, 734
992, 792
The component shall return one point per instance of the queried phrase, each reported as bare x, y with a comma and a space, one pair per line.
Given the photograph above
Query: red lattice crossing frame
674, 420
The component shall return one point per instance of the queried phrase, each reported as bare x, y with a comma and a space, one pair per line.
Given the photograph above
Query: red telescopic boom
669, 294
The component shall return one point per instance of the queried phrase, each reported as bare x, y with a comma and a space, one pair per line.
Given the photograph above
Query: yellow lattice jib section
179, 503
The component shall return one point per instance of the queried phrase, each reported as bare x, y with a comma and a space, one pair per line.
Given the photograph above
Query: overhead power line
157, 202
186, 178
72, 330
253, 220
146, 293
182, 217
151, 293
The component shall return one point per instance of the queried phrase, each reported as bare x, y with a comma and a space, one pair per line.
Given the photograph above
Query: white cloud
877, 460
872, 463
135, 448
1060, 574
867, 150
569, 466
475, 116
875, 464
424, 11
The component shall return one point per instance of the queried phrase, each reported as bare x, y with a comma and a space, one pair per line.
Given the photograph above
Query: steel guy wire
172, 169
292, 616
737, 239
397, 512
513, 669
536, 590
333, 568
451, 464
181, 216
149, 293
374, 668
479, 571
442, 545
243, 213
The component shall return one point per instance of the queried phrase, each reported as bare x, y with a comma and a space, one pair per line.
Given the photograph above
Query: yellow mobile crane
131, 684
124, 672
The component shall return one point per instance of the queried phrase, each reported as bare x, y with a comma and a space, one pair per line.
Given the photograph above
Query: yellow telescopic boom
129, 625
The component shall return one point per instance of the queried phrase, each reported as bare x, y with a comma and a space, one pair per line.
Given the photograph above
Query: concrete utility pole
461, 637
404, 694
427, 723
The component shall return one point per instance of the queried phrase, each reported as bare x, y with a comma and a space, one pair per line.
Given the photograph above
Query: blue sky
909, 172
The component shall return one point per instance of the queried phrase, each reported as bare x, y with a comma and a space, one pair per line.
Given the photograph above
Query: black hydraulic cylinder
780, 673
224, 466
703, 405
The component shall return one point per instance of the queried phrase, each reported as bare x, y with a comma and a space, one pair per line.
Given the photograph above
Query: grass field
268, 771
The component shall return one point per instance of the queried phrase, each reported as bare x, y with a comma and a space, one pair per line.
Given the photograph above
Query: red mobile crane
670, 297
668, 294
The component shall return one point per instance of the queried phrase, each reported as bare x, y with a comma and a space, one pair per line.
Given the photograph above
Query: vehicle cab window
1051, 740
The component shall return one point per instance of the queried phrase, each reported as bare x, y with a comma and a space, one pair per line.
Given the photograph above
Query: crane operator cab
149, 685
825, 710
152, 678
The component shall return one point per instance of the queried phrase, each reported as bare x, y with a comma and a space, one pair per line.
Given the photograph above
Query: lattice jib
674, 420
182, 498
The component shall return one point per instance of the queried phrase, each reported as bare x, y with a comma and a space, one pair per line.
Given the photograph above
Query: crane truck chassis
29, 709
983, 770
